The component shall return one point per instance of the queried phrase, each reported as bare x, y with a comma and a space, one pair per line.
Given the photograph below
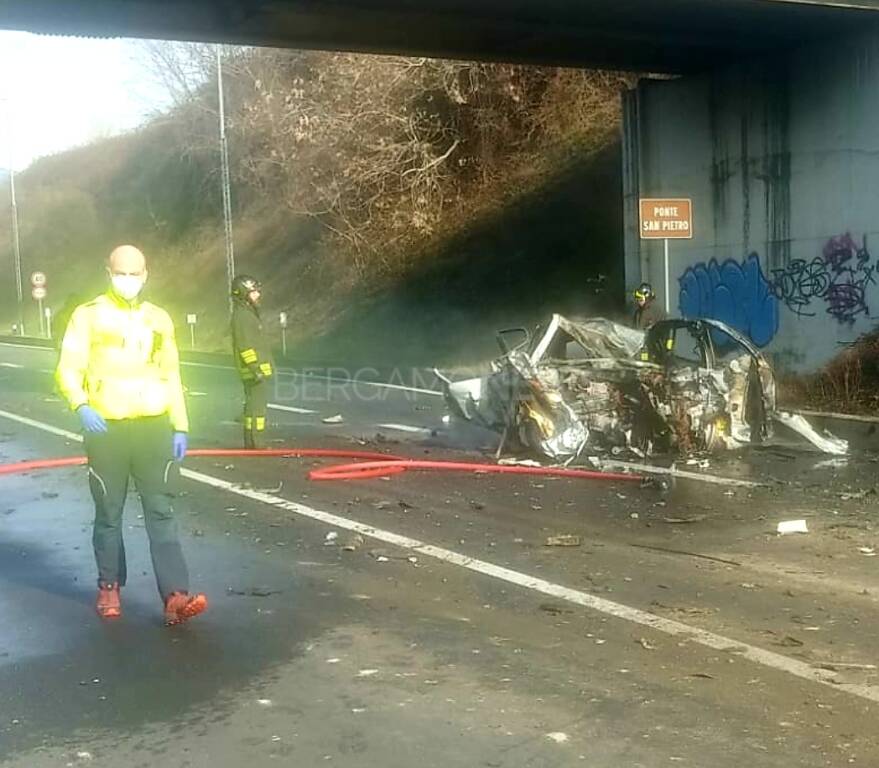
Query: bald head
127, 270
127, 260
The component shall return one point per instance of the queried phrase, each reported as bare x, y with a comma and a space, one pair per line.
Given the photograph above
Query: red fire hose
370, 464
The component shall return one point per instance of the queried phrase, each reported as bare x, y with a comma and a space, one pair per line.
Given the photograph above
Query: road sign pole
192, 336
49, 322
667, 297
284, 341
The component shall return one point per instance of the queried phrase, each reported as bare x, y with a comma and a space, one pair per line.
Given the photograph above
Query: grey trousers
139, 449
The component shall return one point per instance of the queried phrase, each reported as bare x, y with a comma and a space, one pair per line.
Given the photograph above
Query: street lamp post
16, 251
227, 191
16, 240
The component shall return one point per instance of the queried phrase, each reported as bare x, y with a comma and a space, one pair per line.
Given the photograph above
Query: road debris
688, 554
554, 609
558, 737
701, 675
367, 672
792, 526
867, 551
353, 544
857, 495
563, 540
330, 538
264, 702
337, 419
253, 592
684, 520
645, 644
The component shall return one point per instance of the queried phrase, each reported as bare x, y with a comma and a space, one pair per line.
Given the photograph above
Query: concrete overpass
673, 36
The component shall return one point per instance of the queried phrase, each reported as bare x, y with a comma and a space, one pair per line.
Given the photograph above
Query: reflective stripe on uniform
249, 356
260, 423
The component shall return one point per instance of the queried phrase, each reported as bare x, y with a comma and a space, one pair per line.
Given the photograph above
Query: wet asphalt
348, 652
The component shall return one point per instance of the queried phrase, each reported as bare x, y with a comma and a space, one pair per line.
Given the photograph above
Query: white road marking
652, 469
25, 346
11, 365
288, 371
769, 659
405, 428
366, 382
290, 408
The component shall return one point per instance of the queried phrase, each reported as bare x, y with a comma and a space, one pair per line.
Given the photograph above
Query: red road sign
38, 279
38, 292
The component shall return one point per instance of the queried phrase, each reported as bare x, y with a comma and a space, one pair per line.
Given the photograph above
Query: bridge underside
644, 35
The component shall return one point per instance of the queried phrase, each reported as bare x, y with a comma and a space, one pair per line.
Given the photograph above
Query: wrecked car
685, 386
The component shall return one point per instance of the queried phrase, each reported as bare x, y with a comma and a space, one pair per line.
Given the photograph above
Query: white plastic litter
792, 526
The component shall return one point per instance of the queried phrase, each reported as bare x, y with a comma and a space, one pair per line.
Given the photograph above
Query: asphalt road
435, 627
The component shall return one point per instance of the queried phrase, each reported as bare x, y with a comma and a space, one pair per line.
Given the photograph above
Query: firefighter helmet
242, 285
644, 292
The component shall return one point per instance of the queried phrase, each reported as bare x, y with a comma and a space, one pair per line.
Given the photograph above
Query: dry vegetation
350, 174
386, 153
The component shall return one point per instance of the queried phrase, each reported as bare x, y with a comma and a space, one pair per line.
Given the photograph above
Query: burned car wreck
683, 386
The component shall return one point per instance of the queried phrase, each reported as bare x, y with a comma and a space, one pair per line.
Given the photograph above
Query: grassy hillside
478, 230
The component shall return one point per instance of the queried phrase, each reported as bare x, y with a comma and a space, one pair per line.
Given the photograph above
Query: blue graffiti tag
736, 294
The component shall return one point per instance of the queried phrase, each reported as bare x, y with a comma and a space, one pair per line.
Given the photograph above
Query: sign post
49, 323
38, 292
283, 319
191, 320
666, 219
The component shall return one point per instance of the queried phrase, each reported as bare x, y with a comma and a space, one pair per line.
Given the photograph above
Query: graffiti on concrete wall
736, 293
835, 282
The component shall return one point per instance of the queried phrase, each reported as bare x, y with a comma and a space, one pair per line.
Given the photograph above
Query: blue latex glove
91, 420
179, 445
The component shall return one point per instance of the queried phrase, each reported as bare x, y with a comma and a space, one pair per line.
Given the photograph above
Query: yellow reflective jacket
122, 360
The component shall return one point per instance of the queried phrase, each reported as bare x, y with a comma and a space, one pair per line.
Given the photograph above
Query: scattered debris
367, 672
264, 702
277, 489
49, 495
867, 551
558, 737
337, 419
646, 644
563, 540
701, 675
554, 609
684, 520
792, 526
689, 554
789, 641
858, 495
353, 544
330, 538
253, 592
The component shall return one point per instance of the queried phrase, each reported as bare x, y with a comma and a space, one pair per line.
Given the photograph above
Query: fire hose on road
368, 465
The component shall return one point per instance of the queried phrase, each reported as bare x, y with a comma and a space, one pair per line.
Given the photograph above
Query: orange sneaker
108, 604
181, 606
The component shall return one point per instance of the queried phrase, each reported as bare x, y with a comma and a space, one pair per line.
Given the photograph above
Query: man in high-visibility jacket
120, 372
252, 356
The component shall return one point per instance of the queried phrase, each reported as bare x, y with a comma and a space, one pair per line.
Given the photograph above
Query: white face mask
127, 286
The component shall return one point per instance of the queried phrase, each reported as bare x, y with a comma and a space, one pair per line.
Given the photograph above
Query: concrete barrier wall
781, 159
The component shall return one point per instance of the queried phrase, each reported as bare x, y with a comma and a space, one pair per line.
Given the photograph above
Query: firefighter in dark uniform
252, 356
647, 311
